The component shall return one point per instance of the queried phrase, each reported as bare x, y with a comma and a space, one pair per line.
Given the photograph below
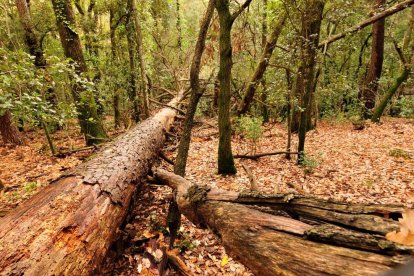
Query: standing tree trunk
116, 96
196, 92
248, 94
91, 124
263, 98
403, 75
179, 31
174, 214
225, 155
141, 58
132, 91
311, 25
31, 39
226, 19
369, 88
9, 132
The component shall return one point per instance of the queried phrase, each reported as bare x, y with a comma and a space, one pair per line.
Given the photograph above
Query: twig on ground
257, 156
252, 179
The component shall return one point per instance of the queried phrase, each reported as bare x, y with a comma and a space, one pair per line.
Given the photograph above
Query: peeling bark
68, 227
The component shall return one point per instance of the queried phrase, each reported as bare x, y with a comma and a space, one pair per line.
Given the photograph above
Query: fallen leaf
406, 234
225, 260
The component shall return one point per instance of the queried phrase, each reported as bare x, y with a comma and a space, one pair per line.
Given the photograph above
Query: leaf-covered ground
371, 165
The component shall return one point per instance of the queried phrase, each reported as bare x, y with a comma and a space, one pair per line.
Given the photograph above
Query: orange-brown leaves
406, 234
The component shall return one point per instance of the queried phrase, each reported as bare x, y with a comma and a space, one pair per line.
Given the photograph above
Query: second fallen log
292, 234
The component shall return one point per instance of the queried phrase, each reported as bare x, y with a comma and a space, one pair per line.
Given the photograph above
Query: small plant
30, 187
308, 164
400, 153
251, 128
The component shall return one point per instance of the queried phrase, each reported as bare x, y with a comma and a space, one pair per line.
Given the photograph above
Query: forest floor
374, 165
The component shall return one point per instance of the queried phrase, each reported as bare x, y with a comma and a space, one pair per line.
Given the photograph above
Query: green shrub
308, 164
251, 128
400, 153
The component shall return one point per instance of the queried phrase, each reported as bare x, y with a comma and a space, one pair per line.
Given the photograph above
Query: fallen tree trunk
292, 234
67, 228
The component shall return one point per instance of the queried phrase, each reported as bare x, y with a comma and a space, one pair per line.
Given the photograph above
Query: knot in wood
197, 194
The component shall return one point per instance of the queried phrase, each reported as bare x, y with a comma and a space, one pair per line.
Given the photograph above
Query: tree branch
385, 13
240, 10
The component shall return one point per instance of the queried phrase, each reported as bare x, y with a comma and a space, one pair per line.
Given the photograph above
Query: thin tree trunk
9, 132
179, 31
141, 58
30, 36
263, 98
368, 91
404, 72
379, 110
132, 91
311, 24
251, 88
289, 114
226, 20
196, 92
225, 155
91, 124
116, 96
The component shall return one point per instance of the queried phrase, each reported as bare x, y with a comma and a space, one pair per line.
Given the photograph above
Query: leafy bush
308, 164
400, 153
405, 105
251, 128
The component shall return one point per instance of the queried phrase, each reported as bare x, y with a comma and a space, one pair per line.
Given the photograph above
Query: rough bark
140, 55
9, 132
196, 92
312, 241
116, 97
30, 36
226, 20
369, 88
67, 228
132, 91
405, 71
89, 120
311, 24
261, 67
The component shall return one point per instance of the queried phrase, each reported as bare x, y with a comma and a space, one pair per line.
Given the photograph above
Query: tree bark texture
9, 132
132, 91
289, 234
225, 155
140, 55
91, 124
196, 92
311, 25
30, 36
369, 89
67, 228
405, 71
261, 67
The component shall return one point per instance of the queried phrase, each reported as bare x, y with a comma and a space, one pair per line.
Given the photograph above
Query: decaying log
288, 234
67, 228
